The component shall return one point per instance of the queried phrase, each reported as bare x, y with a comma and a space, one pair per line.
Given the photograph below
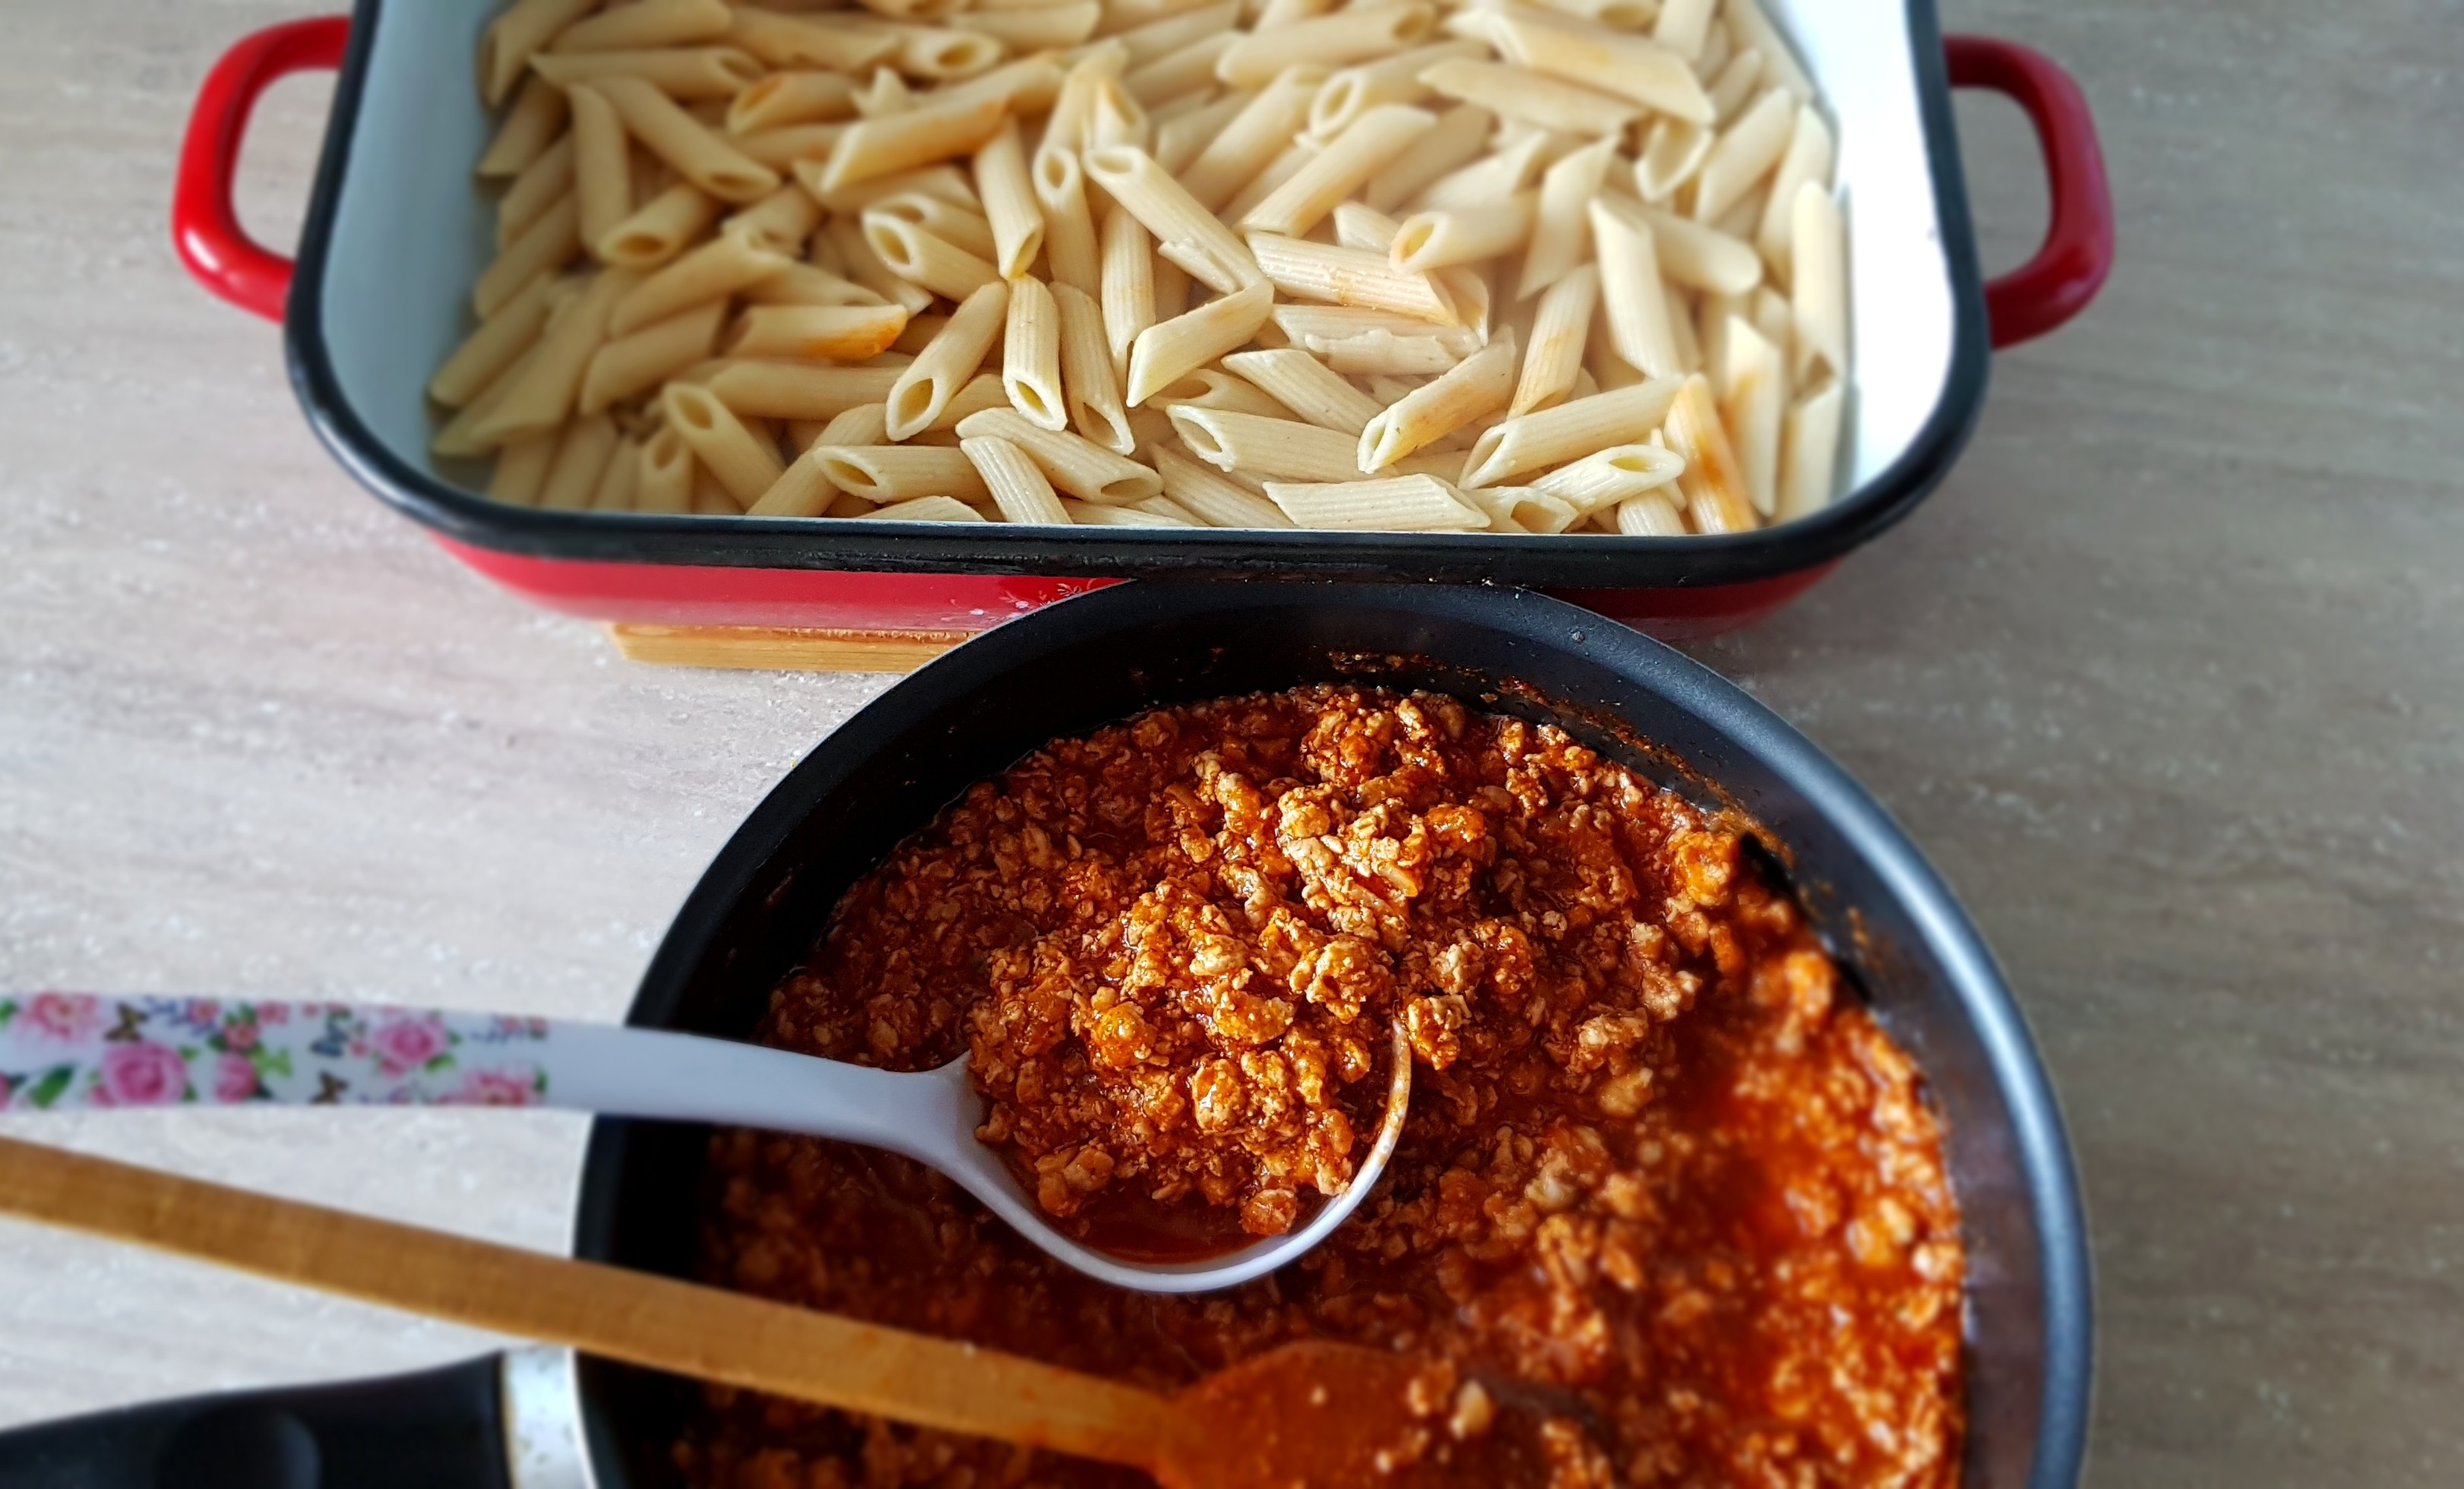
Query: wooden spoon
1314, 1413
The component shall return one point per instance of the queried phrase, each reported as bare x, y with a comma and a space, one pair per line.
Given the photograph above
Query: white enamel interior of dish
413, 228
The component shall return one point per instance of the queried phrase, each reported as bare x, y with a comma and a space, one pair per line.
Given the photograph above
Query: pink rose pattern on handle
61, 1050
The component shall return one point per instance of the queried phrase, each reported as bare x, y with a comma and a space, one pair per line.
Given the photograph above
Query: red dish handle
2077, 252
205, 223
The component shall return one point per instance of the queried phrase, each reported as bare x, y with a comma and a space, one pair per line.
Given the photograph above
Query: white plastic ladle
61, 1050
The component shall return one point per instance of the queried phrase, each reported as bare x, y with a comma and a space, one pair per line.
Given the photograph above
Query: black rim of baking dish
726, 927
1599, 560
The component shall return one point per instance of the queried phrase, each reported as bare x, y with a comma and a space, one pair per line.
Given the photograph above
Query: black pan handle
438, 1429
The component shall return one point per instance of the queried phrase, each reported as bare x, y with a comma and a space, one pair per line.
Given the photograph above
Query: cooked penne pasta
1499, 174
530, 127
489, 350
925, 387
659, 229
1559, 329
522, 467
1384, 353
713, 271
1036, 28
1170, 350
1267, 449
1808, 158
1650, 515
925, 509
544, 247
636, 363
780, 221
1185, 72
1479, 385
782, 40
1367, 146
1561, 230
883, 146
666, 482
1608, 476
1091, 385
1089, 514
1515, 93
1128, 275
644, 23
864, 266
692, 74
1018, 485
514, 37
810, 284
721, 444
617, 482
1307, 387
841, 332
1745, 153
1734, 85
1031, 355
550, 379
1672, 152
1328, 41
1071, 462
548, 177
1753, 29
1180, 140
1684, 25
1015, 219
1215, 499
602, 185
1209, 389
1621, 66
1817, 256
1355, 89
1255, 137
1185, 232
1810, 453
1569, 431
899, 473
1294, 159
582, 452
791, 97
1350, 276
1459, 138
697, 154
1360, 225
1632, 291
1428, 241
1713, 487
1068, 222
1755, 379
791, 390
1411, 503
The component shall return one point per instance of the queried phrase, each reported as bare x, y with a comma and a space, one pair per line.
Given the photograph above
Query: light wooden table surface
2166, 678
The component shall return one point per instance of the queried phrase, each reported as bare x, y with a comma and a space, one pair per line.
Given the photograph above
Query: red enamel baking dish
397, 229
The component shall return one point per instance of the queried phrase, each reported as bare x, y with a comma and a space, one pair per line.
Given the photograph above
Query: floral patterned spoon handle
63, 1050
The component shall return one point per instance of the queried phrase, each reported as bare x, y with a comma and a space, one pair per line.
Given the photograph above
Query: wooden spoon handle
604, 1310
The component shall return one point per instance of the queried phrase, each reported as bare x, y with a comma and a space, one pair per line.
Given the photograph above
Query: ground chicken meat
1659, 1161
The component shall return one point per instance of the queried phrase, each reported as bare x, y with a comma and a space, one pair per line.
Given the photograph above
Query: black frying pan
1068, 670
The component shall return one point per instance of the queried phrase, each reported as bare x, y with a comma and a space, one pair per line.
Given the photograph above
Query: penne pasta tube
644, 23
1712, 488
1185, 232
866, 424
1018, 485
1672, 152
1330, 41
1127, 283
1561, 231
457, 439
803, 490
692, 74
1031, 355
1071, 463
1073, 110
1697, 256
789, 390
1069, 225
1015, 218
1307, 387
1166, 507
1267, 449
1385, 353
1255, 137
546, 178
1752, 27
521, 469
1569, 431
1026, 86
1501, 174
784, 149
1281, 168
1161, 37
1745, 153
534, 124
1364, 227
617, 482
1120, 15
1039, 27
1718, 47
1809, 452
1366, 147
1426, 241
808, 284
960, 226
1090, 383
716, 269
780, 222
1350, 276
603, 184
582, 455
1518, 92
494, 345
1558, 332
544, 247
1650, 515
938, 53
1459, 138
1632, 291
542, 397
1408, 503
840, 333
1170, 350
1684, 25
1614, 15
900, 472
636, 363
1304, 323
1185, 72
710, 500
1626, 67
864, 266
666, 482
801, 97
1171, 292
781, 40
926, 259
1756, 400
918, 335
1608, 476
1114, 117
1210, 388
944, 183
982, 391
744, 465
1818, 258
925, 509
925, 387
521, 31
1089, 514
682, 141
1214, 499
1180, 140
1808, 157
1354, 91
1479, 385
1734, 84
922, 136
659, 229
